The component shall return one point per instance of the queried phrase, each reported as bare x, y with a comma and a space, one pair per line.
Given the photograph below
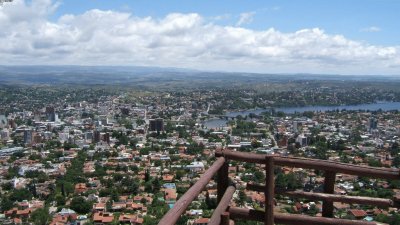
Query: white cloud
245, 18
221, 17
99, 37
276, 8
371, 29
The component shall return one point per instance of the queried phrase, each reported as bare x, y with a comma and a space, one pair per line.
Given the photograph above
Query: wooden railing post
329, 188
223, 181
269, 190
225, 218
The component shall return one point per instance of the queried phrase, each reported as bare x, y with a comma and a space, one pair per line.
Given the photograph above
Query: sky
277, 36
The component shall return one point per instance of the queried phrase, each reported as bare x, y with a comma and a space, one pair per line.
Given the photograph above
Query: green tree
382, 218
241, 198
139, 121
6, 204
280, 114
114, 195
385, 193
313, 210
294, 181
147, 175
194, 149
80, 205
149, 220
179, 174
280, 181
259, 176
132, 187
182, 220
289, 181
40, 217
7, 186
158, 163
156, 185
20, 195
256, 144
118, 177
395, 149
148, 187
395, 220
374, 163
396, 161
60, 200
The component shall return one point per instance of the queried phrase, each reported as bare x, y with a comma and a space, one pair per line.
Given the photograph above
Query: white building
196, 166
5, 135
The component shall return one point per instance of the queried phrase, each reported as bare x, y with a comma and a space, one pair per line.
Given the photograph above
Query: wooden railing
223, 213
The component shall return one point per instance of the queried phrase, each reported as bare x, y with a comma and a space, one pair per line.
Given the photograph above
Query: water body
385, 106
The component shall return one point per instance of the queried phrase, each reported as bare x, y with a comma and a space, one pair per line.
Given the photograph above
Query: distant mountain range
136, 75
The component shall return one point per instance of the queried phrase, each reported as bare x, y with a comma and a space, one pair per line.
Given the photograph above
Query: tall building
5, 135
12, 123
28, 136
96, 136
106, 137
49, 127
295, 126
89, 136
3, 121
50, 109
37, 116
156, 125
302, 140
51, 114
373, 123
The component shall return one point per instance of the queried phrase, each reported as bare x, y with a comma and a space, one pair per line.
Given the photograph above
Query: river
386, 106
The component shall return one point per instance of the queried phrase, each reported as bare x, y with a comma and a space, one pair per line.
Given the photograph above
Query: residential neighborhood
125, 161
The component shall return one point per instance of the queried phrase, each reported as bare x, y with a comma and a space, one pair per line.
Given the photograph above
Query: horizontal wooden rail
181, 205
331, 168
291, 219
381, 202
362, 171
222, 206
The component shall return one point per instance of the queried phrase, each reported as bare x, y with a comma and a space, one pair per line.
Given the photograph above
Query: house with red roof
100, 218
357, 213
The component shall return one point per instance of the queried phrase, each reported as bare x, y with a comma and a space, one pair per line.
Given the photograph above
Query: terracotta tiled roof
103, 217
201, 221
170, 194
167, 177
358, 212
133, 219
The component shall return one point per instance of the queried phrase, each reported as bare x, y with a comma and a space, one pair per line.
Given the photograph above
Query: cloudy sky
275, 36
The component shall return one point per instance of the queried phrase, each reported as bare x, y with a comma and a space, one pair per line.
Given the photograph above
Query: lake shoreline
379, 105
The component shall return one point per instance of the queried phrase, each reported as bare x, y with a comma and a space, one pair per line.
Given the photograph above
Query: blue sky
351, 18
275, 36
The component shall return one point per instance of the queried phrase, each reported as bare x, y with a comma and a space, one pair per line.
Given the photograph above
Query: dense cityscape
206, 112
125, 157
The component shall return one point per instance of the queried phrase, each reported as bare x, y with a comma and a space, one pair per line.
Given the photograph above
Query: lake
386, 106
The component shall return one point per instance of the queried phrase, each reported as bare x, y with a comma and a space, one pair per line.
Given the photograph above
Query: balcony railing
224, 213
